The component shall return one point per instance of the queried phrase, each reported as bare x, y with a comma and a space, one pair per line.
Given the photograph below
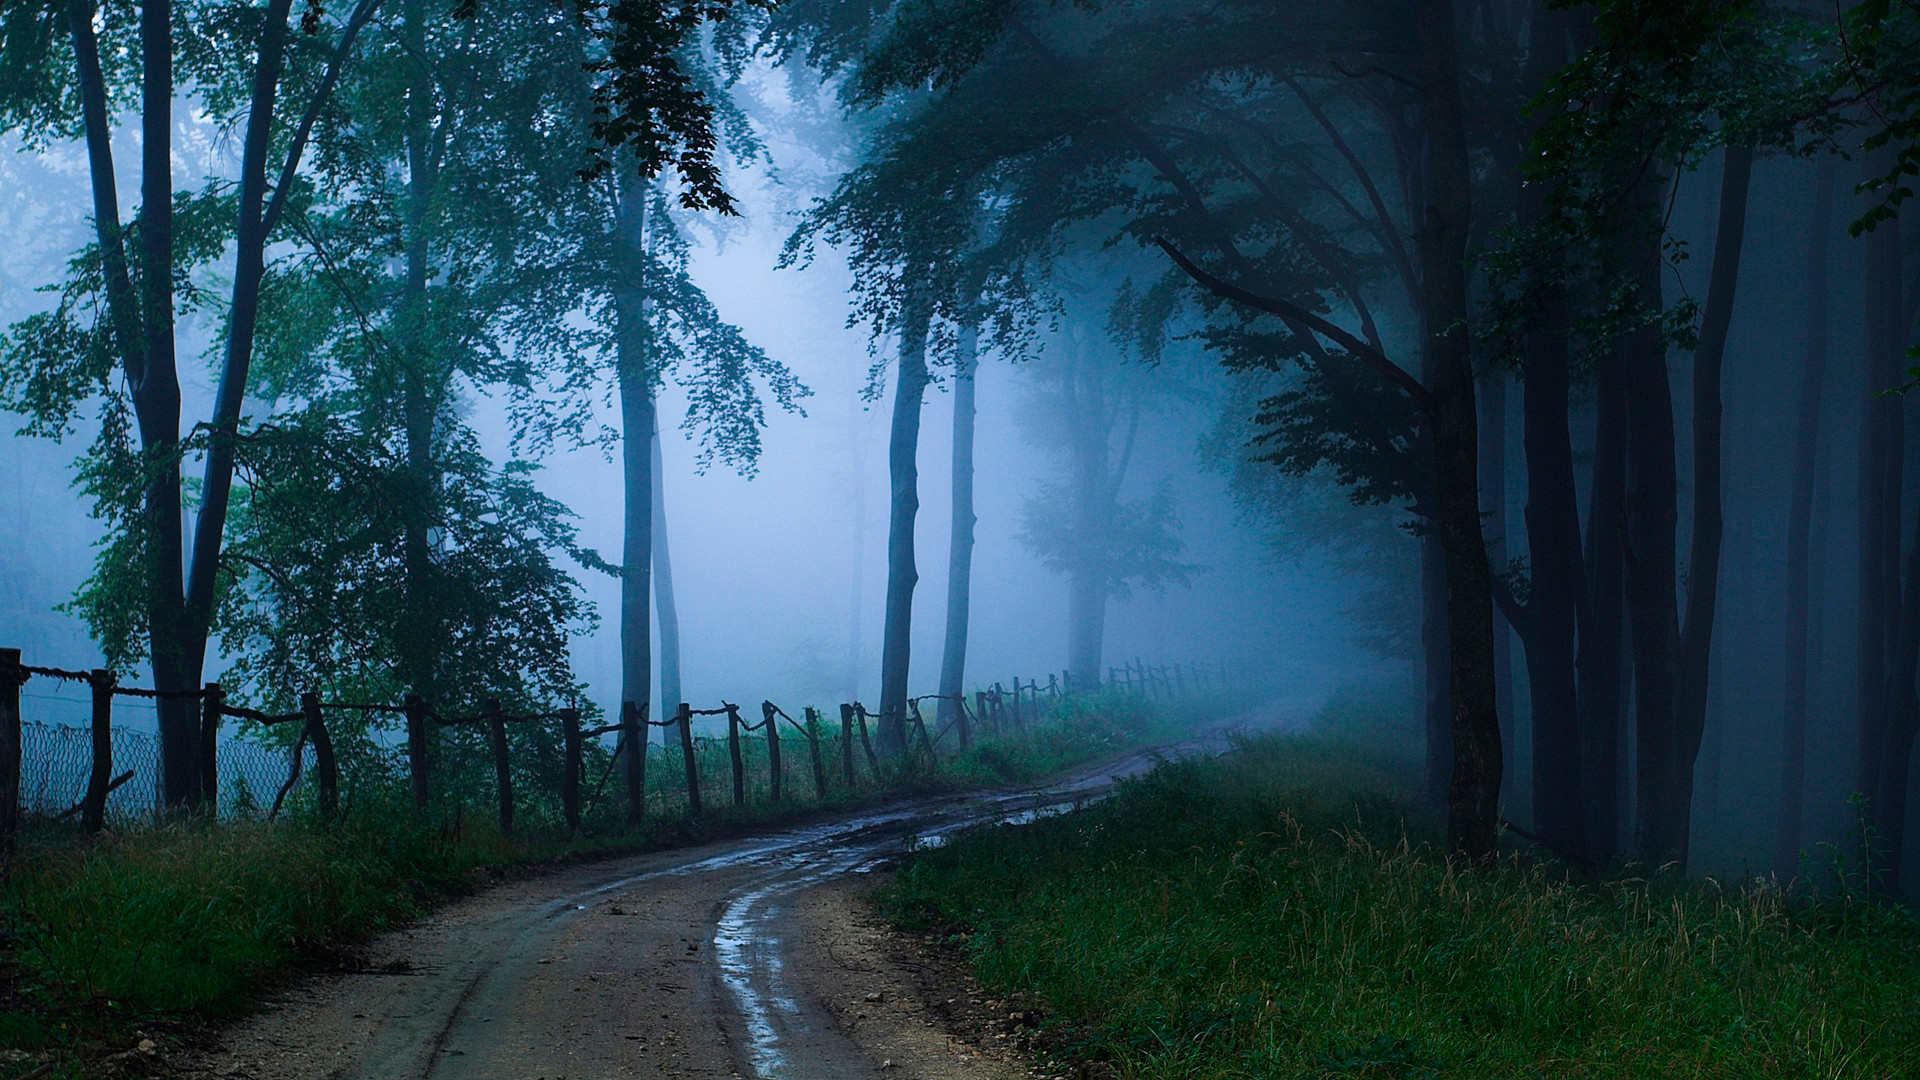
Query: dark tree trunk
664, 608
1602, 656
903, 450
1902, 722
156, 403
953, 660
1806, 445
420, 382
1882, 448
1435, 668
1652, 522
635, 378
242, 318
1473, 802
1703, 561
1553, 608
1558, 586
1493, 498
1093, 491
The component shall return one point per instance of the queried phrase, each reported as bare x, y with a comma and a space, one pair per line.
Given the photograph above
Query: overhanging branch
1360, 350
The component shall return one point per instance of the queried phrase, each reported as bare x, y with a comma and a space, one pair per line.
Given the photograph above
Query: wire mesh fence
56, 760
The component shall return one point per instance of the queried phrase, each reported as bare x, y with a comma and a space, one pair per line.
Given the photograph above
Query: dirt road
742, 959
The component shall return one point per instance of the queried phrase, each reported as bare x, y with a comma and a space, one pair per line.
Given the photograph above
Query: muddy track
727, 960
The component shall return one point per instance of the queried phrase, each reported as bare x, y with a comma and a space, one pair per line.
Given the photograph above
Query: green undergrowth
1282, 913
155, 927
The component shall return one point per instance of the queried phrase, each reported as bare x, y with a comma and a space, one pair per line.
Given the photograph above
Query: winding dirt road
740, 959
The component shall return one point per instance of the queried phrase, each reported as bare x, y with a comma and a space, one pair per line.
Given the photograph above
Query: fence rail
104, 773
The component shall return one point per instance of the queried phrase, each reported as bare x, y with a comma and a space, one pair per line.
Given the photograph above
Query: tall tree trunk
1897, 734
420, 381
1703, 561
156, 403
636, 380
664, 608
1882, 448
1806, 445
857, 566
1473, 795
1558, 587
242, 318
1493, 498
953, 660
1652, 524
1091, 494
1556, 598
903, 449
1435, 669
1602, 656
1890, 610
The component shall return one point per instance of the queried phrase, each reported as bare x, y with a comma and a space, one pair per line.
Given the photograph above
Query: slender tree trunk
1882, 447
1473, 796
1897, 735
156, 403
1703, 562
857, 566
953, 660
1092, 492
1558, 586
1435, 668
1553, 541
420, 380
903, 450
636, 380
1652, 525
1806, 445
1602, 656
663, 605
1493, 497
243, 313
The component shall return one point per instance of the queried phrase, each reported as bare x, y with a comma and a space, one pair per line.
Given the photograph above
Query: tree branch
1360, 350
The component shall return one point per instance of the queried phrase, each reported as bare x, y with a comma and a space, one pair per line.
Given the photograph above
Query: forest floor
740, 958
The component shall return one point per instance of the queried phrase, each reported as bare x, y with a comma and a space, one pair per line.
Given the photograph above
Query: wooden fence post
866, 741
211, 698
570, 773
502, 767
846, 741
964, 725
685, 718
417, 763
93, 813
980, 709
920, 725
773, 749
813, 747
733, 753
10, 679
633, 725
327, 770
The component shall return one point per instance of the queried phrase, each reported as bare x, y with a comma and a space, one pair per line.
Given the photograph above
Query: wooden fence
993, 712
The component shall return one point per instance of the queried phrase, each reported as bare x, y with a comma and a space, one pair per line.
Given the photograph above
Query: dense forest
1567, 344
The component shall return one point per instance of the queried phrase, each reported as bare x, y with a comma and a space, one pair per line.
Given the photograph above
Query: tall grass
1282, 913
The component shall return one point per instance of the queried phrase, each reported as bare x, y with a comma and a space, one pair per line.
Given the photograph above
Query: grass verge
155, 928
1281, 913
